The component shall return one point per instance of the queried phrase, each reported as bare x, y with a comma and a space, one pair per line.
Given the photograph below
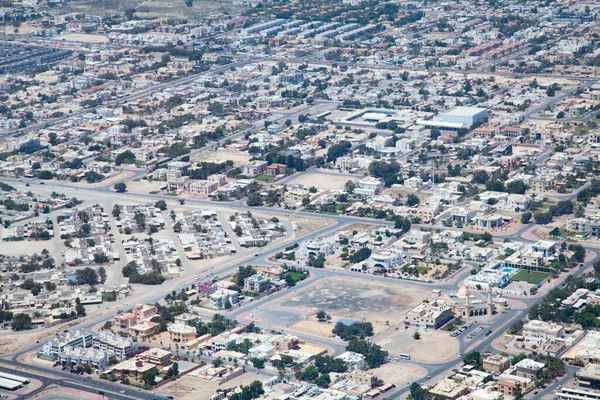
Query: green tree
21, 322
120, 187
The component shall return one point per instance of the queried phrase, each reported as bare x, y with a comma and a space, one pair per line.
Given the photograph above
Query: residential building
181, 333
496, 363
434, 314
352, 360
257, 283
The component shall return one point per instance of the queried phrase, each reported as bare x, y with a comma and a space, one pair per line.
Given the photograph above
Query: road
498, 324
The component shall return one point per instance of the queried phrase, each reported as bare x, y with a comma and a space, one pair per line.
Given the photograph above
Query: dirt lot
433, 347
398, 374
364, 301
77, 37
154, 8
66, 394
212, 156
303, 225
192, 388
324, 181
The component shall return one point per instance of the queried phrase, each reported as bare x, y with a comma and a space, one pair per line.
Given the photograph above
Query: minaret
490, 303
467, 301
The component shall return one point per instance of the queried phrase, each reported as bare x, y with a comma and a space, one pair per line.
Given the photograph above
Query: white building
386, 259
368, 186
352, 360
221, 296
314, 247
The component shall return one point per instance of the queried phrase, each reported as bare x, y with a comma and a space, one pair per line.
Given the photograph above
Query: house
257, 283
496, 363
181, 333
530, 369
221, 297
254, 168
276, 169
368, 186
352, 360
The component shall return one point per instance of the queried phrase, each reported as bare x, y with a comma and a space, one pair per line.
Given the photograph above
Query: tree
126, 157
516, 187
255, 200
120, 187
150, 377
161, 205
360, 255
116, 212
473, 358
322, 316
21, 322
526, 217
480, 177
416, 335
412, 200
542, 218
258, 363
86, 276
417, 392
52, 137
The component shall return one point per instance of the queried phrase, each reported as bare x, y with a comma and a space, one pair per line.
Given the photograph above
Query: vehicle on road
488, 333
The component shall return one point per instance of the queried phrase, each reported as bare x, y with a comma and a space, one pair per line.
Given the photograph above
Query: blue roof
347, 321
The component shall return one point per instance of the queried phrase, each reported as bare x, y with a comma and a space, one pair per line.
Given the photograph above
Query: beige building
496, 363
181, 333
434, 314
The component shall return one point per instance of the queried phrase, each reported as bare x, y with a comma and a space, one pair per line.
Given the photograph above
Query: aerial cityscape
300, 200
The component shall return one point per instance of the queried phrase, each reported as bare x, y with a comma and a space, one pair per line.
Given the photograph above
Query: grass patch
265, 178
532, 277
422, 270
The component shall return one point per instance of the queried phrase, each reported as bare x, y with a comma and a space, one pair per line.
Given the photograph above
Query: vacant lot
433, 347
154, 8
323, 180
194, 388
532, 277
361, 300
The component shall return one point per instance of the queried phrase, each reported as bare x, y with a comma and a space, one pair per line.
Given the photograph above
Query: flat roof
9, 384
457, 125
465, 111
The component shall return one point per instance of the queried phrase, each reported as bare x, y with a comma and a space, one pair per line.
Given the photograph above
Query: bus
405, 356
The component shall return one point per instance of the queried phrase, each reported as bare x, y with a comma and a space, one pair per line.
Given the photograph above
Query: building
510, 387
538, 332
530, 369
314, 247
352, 360
222, 342
386, 259
120, 346
181, 333
254, 168
589, 376
496, 363
257, 283
577, 393
449, 389
223, 296
434, 314
57, 344
368, 186
465, 115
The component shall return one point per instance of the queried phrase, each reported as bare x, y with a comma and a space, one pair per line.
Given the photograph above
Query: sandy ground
192, 388
399, 374
82, 37
144, 187
377, 303
433, 347
66, 394
323, 181
212, 156
25, 247
304, 226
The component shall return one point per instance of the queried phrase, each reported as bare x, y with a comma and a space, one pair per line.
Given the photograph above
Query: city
328, 200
